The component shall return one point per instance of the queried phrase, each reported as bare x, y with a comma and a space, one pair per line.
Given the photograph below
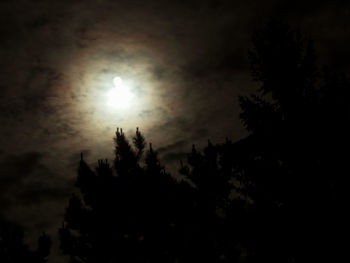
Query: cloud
172, 147
175, 156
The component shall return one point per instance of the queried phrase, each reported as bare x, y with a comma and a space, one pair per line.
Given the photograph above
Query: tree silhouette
294, 120
13, 249
126, 213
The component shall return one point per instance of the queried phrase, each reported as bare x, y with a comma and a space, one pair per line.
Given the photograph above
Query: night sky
184, 61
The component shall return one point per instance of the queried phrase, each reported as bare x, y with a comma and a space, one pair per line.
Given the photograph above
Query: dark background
187, 62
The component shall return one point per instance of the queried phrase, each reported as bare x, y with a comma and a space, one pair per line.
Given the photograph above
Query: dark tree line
279, 195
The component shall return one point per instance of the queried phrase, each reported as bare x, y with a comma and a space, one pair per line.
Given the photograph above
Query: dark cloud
38, 193
175, 156
26, 180
172, 147
23, 164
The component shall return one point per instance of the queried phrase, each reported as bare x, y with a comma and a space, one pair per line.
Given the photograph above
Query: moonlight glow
120, 96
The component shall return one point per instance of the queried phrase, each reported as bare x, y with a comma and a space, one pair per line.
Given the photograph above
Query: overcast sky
185, 62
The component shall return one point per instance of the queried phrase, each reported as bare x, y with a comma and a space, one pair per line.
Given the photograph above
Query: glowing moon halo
120, 96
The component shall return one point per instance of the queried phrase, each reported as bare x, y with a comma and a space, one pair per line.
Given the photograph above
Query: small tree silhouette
14, 250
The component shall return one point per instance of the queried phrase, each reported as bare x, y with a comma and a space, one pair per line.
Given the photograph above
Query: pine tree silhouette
292, 174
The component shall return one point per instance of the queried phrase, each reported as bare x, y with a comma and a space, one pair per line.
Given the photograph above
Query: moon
120, 96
